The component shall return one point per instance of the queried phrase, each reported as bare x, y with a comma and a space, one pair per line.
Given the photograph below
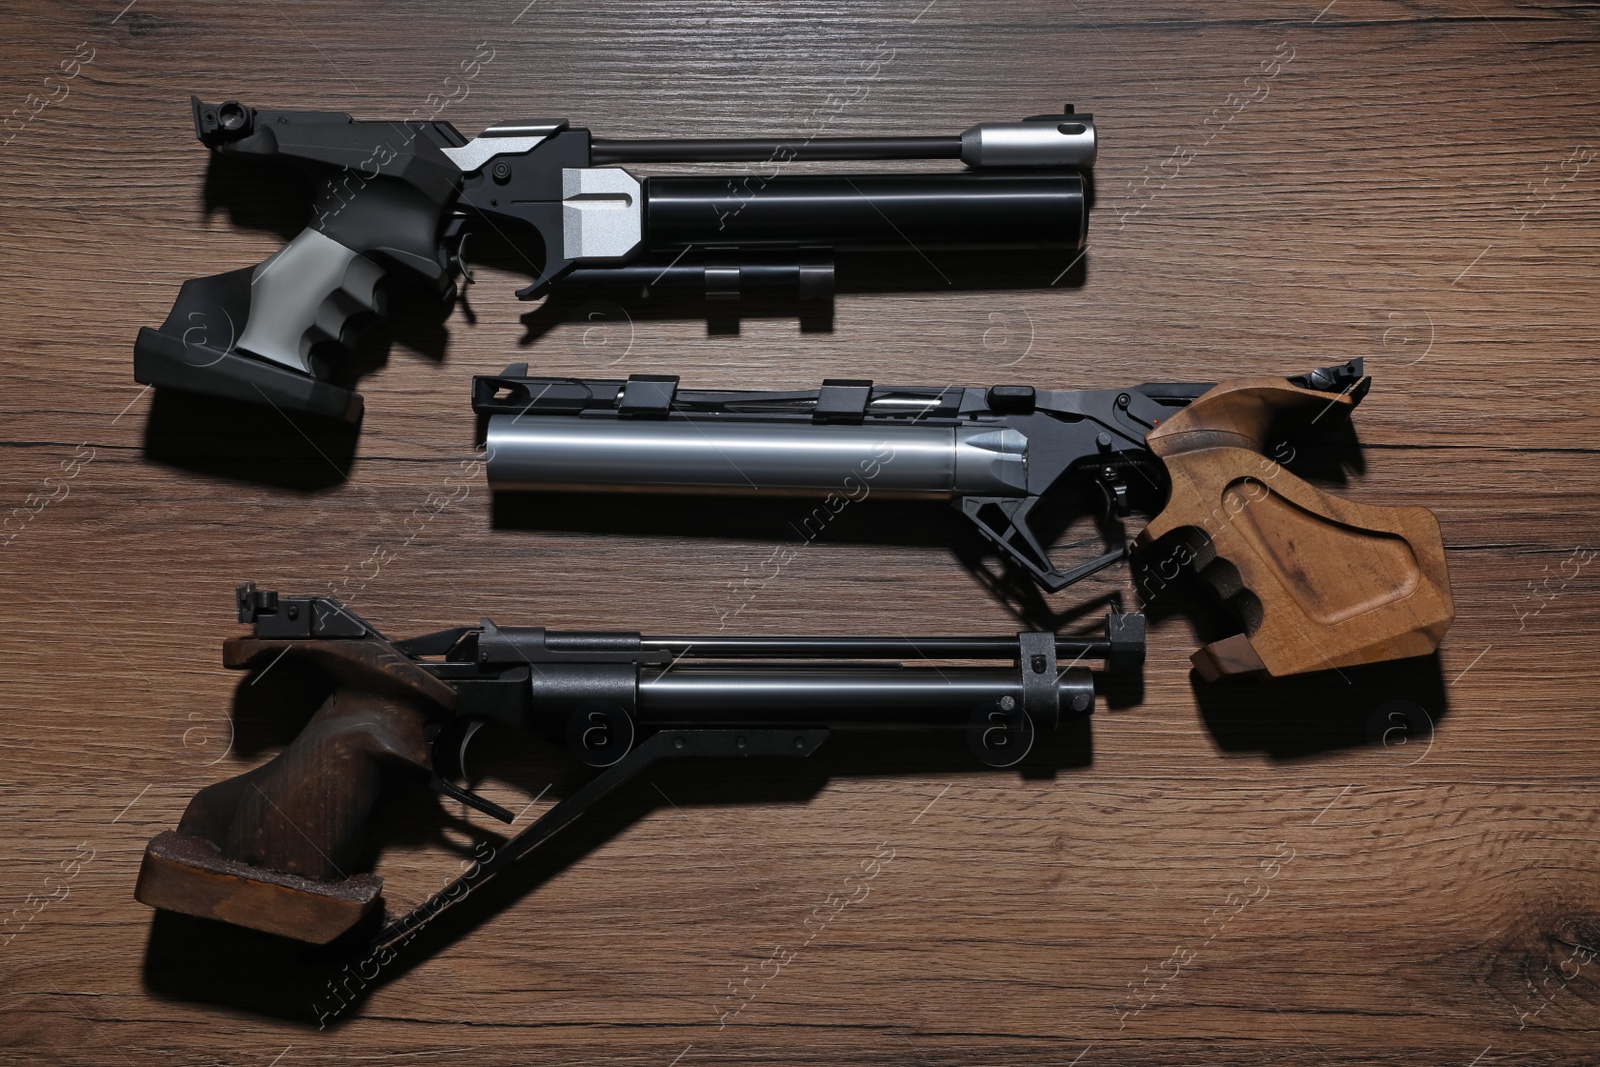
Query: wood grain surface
1396, 864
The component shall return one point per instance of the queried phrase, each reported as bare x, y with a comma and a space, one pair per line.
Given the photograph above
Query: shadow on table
805, 525
611, 312
1393, 704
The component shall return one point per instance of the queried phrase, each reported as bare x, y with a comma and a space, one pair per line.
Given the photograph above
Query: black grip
381, 191
195, 350
381, 188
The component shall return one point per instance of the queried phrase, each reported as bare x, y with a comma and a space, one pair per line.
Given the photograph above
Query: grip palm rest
275, 848
1319, 581
187, 873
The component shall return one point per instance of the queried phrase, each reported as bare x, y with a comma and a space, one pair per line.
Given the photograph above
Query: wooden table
1398, 865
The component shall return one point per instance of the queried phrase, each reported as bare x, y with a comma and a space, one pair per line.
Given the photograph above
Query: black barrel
782, 273
869, 211
604, 151
839, 697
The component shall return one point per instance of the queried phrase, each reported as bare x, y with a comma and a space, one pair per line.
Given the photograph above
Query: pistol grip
381, 193
312, 292
276, 848
1318, 581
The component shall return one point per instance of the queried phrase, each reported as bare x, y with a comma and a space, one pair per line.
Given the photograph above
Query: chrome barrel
545, 452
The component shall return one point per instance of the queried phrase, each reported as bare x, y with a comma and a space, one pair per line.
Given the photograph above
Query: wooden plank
1414, 186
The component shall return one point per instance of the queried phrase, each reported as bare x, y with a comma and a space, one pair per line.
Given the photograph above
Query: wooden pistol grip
1318, 581
275, 848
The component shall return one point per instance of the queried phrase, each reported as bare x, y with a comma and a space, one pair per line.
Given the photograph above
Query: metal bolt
1008, 703
739, 743
1038, 664
294, 611
1103, 442
1123, 400
1080, 702
677, 742
501, 171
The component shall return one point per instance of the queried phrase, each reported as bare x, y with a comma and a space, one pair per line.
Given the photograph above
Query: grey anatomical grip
305, 294
683, 455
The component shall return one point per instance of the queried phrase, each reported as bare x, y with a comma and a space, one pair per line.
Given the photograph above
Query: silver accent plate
501, 139
602, 213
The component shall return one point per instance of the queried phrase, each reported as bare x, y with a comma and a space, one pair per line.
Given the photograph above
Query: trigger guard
548, 278
1043, 570
466, 739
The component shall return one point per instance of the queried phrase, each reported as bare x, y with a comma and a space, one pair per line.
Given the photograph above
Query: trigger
472, 800
466, 796
1115, 490
456, 259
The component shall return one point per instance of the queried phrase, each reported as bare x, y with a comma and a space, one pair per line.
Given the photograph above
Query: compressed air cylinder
727, 455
